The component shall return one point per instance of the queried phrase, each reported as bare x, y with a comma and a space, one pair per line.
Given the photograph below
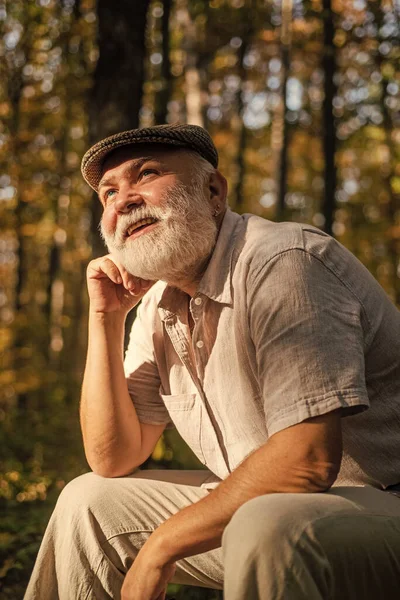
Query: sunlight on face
178, 245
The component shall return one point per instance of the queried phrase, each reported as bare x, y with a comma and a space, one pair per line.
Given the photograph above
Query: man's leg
340, 545
99, 526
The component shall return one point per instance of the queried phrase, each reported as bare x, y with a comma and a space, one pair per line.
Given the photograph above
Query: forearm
110, 426
199, 527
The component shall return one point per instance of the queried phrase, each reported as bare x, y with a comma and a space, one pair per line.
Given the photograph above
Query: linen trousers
342, 544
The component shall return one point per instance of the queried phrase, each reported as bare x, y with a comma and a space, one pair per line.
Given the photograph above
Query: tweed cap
192, 137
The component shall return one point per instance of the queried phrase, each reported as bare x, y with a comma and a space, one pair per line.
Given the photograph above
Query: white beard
179, 245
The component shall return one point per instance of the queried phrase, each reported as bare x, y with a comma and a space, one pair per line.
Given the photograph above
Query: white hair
201, 168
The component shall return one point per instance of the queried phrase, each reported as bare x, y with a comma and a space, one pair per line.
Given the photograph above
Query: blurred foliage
218, 63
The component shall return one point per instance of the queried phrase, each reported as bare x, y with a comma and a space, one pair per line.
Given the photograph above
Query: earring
216, 211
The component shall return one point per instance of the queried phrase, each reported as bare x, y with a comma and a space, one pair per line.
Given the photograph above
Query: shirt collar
216, 282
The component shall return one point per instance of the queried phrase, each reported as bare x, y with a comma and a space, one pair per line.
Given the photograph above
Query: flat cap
192, 137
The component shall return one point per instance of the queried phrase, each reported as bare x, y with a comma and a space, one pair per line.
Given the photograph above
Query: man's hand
111, 288
148, 578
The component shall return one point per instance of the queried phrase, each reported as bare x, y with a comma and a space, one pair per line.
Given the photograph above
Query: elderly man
274, 353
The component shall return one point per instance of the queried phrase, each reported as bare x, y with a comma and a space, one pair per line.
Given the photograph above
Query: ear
218, 189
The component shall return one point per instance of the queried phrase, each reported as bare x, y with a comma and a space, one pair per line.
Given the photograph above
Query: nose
127, 200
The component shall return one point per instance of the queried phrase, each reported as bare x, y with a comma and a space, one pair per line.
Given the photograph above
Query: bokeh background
302, 98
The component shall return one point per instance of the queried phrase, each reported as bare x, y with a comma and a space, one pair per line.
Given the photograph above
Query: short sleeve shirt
289, 325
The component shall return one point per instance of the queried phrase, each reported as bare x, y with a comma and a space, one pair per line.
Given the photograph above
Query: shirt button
198, 301
200, 344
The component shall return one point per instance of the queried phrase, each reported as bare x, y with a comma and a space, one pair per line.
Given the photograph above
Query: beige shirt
288, 325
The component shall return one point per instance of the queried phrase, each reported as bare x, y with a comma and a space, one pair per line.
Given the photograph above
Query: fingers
107, 266
135, 285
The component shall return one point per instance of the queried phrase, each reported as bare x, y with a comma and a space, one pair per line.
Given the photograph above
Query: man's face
157, 218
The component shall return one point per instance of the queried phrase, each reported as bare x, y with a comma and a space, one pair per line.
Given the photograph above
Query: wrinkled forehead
140, 151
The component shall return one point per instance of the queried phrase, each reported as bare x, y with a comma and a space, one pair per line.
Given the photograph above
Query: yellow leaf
159, 450
395, 181
375, 133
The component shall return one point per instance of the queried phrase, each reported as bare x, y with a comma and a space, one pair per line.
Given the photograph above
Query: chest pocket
185, 411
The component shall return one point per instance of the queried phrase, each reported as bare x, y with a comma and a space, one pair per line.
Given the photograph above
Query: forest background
302, 98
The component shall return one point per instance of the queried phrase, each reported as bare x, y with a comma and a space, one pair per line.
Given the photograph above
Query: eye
108, 193
147, 172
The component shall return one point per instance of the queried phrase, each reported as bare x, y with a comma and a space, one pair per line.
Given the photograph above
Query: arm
115, 441
303, 458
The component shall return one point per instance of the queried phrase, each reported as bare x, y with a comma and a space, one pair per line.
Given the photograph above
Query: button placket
194, 309
177, 337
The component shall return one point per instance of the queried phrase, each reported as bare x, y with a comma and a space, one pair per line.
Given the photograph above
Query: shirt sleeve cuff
351, 402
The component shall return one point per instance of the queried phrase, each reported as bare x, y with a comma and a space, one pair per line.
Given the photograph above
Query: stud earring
216, 211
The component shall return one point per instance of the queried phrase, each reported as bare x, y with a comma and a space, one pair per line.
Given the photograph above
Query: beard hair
179, 246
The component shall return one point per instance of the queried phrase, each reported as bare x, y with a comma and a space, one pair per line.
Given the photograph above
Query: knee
260, 521
275, 519
84, 493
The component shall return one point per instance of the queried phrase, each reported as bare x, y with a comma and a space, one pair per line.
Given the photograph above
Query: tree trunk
284, 141
164, 95
14, 91
117, 87
60, 215
193, 96
283, 145
329, 134
242, 131
393, 205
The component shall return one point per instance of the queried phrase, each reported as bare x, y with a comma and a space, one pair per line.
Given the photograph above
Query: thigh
142, 500
363, 546
368, 499
363, 553
347, 539
134, 506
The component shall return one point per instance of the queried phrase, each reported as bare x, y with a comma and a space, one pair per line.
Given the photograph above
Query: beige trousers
343, 544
